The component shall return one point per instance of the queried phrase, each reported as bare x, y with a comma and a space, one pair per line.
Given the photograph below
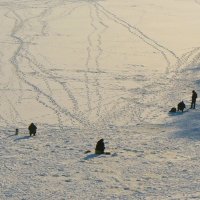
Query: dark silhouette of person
100, 147
194, 97
173, 110
181, 106
32, 129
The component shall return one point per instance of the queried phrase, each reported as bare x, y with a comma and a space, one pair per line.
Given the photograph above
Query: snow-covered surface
83, 70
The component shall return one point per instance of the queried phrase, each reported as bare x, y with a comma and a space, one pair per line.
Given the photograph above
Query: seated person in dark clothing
32, 129
181, 106
100, 147
173, 110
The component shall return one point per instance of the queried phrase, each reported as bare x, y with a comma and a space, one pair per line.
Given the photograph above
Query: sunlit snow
83, 70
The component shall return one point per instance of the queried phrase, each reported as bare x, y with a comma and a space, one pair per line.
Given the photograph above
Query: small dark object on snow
173, 110
194, 97
100, 147
88, 151
181, 106
16, 131
32, 129
107, 153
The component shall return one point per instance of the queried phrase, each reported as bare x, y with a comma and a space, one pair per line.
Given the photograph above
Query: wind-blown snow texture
82, 70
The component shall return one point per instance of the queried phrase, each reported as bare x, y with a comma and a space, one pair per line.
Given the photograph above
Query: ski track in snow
197, 2
153, 155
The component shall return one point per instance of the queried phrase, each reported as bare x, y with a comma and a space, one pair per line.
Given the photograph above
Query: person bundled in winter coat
173, 110
32, 129
194, 97
181, 106
100, 147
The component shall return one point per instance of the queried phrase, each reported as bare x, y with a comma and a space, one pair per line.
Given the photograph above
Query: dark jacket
181, 106
173, 110
32, 129
100, 147
194, 95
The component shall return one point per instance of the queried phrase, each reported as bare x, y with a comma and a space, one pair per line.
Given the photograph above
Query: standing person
32, 129
194, 97
100, 147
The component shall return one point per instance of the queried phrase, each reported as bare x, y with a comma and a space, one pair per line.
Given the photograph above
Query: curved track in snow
57, 94
82, 70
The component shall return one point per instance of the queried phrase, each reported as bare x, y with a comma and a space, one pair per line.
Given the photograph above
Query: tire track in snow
18, 53
52, 101
95, 42
192, 57
34, 66
97, 60
18, 25
98, 34
134, 30
137, 115
46, 74
97, 56
45, 24
163, 50
49, 74
17, 115
96, 77
88, 58
176, 80
197, 2
51, 108
2, 119
195, 60
1, 63
65, 87
185, 57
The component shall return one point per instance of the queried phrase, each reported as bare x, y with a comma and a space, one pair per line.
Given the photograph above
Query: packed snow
82, 70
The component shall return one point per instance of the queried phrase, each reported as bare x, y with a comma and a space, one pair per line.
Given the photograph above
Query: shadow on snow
188, 125
23, 138
91, 156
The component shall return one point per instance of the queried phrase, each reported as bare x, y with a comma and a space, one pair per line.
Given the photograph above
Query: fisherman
32, 129
173, 110
100, 147
181, 106
194, 97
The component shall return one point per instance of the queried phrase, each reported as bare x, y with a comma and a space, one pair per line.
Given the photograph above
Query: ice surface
82, 70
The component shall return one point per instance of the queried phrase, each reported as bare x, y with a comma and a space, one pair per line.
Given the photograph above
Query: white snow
83, 70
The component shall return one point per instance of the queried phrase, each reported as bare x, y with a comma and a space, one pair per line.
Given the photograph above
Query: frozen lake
82, 70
